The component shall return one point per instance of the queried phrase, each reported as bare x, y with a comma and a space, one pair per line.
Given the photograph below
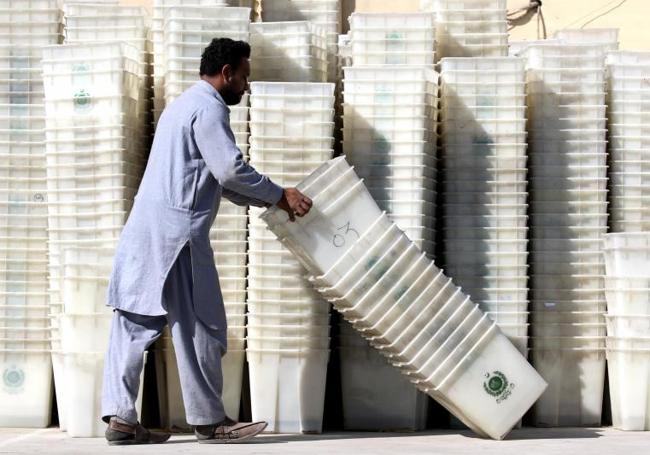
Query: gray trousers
198, 353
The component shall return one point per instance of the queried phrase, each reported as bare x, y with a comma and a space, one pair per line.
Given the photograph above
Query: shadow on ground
529, 434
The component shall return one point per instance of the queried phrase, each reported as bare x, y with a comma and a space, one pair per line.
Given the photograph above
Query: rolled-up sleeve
216, 143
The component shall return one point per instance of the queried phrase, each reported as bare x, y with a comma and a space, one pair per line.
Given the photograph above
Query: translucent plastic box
107, 21
474, 50
99, 9
483, 78
391, 20
627, 58
114, 33
40, 39
595, 35
465, 6
287, 88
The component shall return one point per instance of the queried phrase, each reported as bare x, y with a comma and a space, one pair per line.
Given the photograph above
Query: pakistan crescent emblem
13, 377
82, 99
495, 384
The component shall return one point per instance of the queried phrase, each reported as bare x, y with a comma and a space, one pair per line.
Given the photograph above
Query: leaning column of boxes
95, 156
25, 361
391, 292
485, 199
184, 33
568, 218
288, 322
389, 135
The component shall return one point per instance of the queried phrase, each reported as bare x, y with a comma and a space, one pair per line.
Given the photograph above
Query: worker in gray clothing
164, 271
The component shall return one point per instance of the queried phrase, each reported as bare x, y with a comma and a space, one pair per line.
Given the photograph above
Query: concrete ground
527, 441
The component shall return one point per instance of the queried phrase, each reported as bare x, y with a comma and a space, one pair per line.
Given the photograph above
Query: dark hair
222, 52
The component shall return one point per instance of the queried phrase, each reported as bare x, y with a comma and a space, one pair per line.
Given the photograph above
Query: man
164, 271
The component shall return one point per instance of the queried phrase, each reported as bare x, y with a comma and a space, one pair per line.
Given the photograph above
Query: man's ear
226, 72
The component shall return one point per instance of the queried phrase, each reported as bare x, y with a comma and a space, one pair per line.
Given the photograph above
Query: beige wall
146, 3
631, 17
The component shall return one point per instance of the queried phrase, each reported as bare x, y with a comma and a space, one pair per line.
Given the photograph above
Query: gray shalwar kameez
163, 270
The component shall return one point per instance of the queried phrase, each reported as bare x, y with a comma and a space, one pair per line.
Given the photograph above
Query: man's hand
294, 203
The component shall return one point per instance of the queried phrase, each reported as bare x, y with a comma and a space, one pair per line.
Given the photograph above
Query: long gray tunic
193, 162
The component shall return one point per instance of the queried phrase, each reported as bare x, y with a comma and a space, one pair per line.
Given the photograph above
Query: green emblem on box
497, 385
82, 99
13, 377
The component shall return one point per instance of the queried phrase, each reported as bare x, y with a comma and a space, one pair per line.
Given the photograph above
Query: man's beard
231, 98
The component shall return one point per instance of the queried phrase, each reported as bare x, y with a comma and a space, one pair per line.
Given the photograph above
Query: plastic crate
553, 75
470, 78
539, 87
422, 34
497, 26
33, 39
632, 71
207, 12
361, 47
628, 58
391, 20
588, 35
473, 50
548, 100
394, 58
464, 5
567, 110
99, 9
112, 33
85, 102
21, 85
29, 28
31, 123
31, 15
198, 36
104, 21
630, 83
73, 196
454, 64
20, 56
88, 82
279, 28
566, 61
630, 100
382, 74
262, 53
290, 89
459, 40
280, 72
221, 27
22, 97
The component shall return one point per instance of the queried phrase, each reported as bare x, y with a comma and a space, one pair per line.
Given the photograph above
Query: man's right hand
294, 203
